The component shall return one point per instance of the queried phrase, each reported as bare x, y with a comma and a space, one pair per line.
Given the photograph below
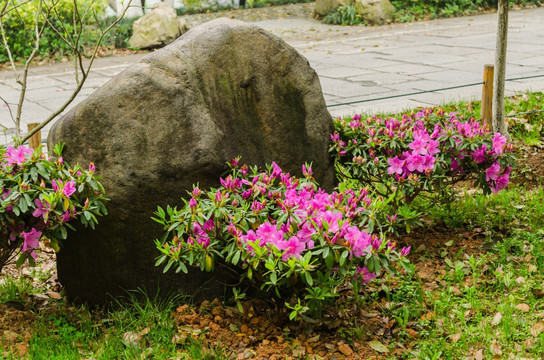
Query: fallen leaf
378, 346
496, 319
495, 348
479, 355
520, 280
531, 268
345, 349
132, 339
54, 295
455, 337
537, 328
428, 316
523, 307
10, 336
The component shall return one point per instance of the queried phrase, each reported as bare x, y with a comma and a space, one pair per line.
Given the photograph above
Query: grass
473, 303
140, 328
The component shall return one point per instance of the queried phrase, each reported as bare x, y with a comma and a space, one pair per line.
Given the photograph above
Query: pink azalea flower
42, 208
92, 168
405, 251
307, 172
415, 163
492, 172
31, 241
192, 203
432, 147
479, 154
499, 141
270, 233
66, 216
502, 181
418, 147
428, 163
17, 155
276, 170
69, 188
291, 247
365, 275
395, 165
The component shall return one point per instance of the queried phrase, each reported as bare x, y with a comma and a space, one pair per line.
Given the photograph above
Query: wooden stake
36, 140
486, 111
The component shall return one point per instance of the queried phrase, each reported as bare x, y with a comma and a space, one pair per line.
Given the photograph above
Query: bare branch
9, 109
85, 73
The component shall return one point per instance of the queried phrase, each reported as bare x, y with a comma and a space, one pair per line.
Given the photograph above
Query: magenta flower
395, 165
69, 188
17, 156
270, 233
365, 275
415, 163
42, 208
479, 154
196, 192
291, 247
418, 147
405, 251
276, 170
492, 172
428, 163
432, 147
92, 168
502, 181
192, 203
31, 241
66, 216
499, 141
307, 172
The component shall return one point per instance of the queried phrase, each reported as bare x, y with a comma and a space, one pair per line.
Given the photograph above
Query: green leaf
160, 260
63, 233
236, 257
182, 267
309, 279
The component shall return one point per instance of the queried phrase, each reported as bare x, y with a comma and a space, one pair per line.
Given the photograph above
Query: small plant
344, 15
285, 234
39, 197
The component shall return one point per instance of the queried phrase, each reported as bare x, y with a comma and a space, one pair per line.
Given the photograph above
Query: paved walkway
353, 63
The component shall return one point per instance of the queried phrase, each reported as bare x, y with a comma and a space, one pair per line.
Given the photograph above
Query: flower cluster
39, 197
423, 151
284, 232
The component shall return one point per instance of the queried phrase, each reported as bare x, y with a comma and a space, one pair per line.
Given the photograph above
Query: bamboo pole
486, 111
36, 140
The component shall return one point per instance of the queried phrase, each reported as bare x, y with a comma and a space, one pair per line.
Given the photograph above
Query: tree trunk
499, 124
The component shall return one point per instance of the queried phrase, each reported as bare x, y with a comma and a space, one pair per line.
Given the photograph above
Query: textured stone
375, 12
157, 28
225, 88
323, 7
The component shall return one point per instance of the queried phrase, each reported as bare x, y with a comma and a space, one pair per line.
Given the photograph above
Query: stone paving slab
353, 63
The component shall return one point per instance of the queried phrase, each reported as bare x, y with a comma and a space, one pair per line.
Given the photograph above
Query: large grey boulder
223, 89
157, 28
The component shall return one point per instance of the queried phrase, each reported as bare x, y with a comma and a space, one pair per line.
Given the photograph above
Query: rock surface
323, 7
375, 12
225, 88
157, 28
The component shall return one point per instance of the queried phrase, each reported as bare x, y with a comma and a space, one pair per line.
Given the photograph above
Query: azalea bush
39, 198
420, 154
284, 234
